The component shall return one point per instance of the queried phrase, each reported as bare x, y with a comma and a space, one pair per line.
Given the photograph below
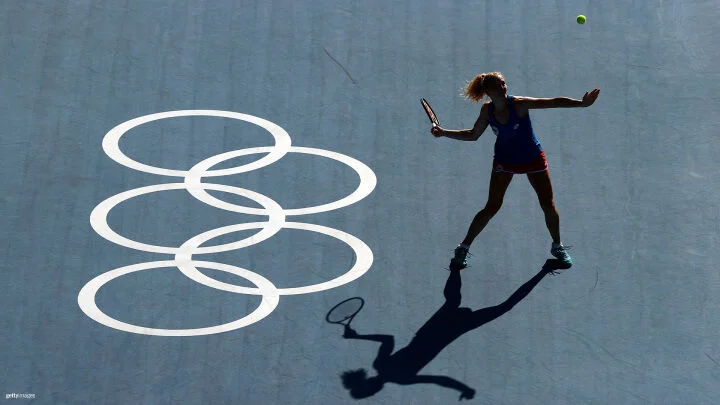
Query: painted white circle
363, 259
193, 184
99, 218
86, 300
111, 142
368, 181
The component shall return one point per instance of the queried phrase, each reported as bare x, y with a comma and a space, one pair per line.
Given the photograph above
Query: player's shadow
447, 324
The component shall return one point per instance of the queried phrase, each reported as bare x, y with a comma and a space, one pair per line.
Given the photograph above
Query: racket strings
344, 311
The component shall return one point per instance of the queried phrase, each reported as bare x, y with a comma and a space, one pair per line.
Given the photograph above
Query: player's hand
436, 131
467, 394
349, 333
589, 98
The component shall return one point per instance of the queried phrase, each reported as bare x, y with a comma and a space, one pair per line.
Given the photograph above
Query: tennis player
517, 151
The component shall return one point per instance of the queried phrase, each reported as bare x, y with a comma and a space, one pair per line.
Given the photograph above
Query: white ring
99, 219
363, 259
86, 300
111, 141
368, 181
193, 184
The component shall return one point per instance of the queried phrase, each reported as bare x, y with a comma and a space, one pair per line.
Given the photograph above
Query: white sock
556, 245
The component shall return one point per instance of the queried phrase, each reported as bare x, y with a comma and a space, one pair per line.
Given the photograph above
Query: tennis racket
344, 312
430, 113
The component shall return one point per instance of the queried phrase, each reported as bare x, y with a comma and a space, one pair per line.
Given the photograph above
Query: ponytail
475, 89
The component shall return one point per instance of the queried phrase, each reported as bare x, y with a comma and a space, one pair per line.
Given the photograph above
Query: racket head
429, 111
343, 312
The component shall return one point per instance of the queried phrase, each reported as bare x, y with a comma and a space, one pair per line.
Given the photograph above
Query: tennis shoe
560, 252
459, 261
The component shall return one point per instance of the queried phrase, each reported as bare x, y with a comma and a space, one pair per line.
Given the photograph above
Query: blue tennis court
189, 187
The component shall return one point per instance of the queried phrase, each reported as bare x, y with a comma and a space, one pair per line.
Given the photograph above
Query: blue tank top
516, 142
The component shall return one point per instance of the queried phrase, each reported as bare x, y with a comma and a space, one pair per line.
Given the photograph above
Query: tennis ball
581, 19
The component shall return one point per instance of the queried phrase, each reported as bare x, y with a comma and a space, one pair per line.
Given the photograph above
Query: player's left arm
559, 102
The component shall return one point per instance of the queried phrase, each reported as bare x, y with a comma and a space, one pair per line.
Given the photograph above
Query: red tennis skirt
538, 165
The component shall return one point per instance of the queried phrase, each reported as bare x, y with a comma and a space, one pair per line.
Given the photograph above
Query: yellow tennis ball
581, 19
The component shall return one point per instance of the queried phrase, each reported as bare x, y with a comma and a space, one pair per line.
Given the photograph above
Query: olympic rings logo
184, 254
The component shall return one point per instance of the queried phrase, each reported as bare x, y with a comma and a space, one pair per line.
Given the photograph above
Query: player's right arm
467, 134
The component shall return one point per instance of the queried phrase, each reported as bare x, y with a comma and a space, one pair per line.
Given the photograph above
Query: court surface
127, 281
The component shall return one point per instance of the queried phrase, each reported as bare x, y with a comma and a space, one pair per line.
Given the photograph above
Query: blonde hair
476, 89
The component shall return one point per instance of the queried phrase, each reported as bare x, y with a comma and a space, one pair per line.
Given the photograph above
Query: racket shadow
444, 326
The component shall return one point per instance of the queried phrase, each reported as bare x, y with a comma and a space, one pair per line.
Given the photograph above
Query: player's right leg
499, 182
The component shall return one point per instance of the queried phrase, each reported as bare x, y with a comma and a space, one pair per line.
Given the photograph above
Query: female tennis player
517, 151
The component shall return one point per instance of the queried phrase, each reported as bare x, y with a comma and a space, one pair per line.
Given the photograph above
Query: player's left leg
542, 184
540, 181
